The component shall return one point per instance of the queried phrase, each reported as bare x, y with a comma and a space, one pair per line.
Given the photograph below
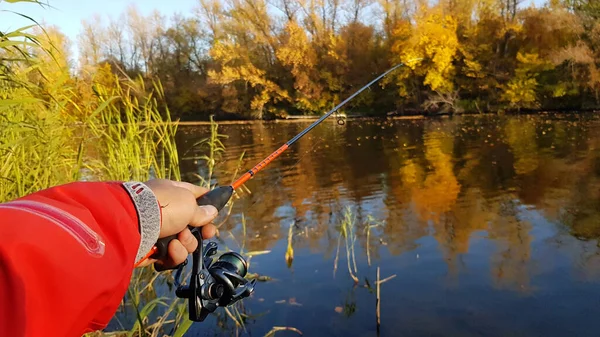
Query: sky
68, 14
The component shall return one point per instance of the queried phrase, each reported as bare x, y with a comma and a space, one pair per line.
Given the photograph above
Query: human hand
179, 209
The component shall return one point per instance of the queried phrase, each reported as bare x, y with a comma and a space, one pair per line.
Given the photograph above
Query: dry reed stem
238, 324
349, 233
378, 311
368, 247
257, 252
350, 268
386, 279
354, 256
337, 256
368, 230
282, 328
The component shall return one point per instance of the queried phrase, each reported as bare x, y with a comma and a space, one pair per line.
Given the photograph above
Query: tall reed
33, 131
58, 129
133, 139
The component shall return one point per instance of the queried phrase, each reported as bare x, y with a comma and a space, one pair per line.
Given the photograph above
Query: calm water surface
489, 224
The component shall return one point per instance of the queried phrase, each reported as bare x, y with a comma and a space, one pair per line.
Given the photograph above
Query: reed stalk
378, 284
349, 235
370, 224
378, 309
289, 252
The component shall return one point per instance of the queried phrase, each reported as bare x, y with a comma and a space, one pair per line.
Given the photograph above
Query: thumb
196, 190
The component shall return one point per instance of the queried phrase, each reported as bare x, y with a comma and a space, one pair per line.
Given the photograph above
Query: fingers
203, 215
188, 240
180, 248
208, 231
177, 253
179, 208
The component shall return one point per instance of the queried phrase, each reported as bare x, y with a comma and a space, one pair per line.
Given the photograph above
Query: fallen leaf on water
256, 276
339, 310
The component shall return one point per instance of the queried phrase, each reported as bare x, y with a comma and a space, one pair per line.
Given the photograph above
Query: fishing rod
222, 283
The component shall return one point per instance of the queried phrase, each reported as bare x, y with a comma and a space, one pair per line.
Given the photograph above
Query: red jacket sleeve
66, 258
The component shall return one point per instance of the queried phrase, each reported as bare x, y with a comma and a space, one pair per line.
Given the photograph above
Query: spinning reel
213, 285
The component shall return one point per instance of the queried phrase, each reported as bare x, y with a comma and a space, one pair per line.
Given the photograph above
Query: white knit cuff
148, 212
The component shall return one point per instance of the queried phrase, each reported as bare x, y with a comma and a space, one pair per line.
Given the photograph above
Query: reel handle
217, 197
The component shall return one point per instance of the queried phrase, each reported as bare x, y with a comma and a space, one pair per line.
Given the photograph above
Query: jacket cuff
149, 215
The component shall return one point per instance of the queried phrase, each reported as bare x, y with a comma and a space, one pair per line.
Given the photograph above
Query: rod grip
217, 197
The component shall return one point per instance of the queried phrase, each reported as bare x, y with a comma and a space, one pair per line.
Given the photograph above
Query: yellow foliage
520, 92
296, 51
236, 66
473, 68
223, 52
402, 32
299, 53
52, 62
333, 48
560, 90
431, 48
529, 63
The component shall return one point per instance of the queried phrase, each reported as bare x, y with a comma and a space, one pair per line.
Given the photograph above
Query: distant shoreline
296, 119
291, 120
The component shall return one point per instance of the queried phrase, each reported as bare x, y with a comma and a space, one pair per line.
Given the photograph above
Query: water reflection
476, 213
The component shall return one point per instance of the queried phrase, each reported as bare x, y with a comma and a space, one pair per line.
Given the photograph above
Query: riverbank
290, 120
297, 119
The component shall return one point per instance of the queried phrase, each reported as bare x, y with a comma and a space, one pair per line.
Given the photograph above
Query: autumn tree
268, 58
430, 50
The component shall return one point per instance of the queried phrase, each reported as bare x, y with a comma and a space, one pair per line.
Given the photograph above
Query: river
488, 225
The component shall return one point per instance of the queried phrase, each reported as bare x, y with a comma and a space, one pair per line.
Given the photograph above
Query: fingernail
209, 210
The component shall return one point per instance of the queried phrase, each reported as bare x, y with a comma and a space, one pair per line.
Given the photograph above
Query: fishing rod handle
217, 197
